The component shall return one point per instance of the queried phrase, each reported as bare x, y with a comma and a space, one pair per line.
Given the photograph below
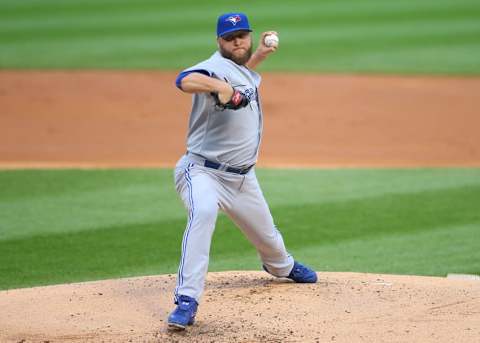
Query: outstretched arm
261, 52
199, 83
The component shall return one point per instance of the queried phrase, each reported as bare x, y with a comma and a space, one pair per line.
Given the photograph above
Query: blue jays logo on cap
231, 22
234, 19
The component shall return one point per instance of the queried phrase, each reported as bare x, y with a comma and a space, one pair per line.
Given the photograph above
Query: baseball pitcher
218, 170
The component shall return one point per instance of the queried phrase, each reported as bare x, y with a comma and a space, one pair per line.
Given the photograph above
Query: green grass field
375, 36
70, 225
61, 226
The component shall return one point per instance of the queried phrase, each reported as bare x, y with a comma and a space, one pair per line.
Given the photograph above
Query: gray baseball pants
204, 191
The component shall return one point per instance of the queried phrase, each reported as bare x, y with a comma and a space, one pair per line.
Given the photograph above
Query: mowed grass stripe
436, 253
412, 47
451, 249
328, 36
420, 58
153, 247
390, 213
36, 202
141, 20
35, 8
299, 33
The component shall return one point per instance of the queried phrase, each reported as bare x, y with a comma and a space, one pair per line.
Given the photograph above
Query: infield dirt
131, 119
112, 118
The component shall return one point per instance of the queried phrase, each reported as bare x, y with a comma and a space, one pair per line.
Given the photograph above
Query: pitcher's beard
241, 60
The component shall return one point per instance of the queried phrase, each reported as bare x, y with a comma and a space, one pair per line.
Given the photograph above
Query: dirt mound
249, 307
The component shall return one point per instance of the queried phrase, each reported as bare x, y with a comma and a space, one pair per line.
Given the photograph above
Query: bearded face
236, 46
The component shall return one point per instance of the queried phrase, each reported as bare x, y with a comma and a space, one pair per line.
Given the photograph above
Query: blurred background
405, 36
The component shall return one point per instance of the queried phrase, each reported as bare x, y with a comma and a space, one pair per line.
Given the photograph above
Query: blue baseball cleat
184, 314
302, 274
299, 273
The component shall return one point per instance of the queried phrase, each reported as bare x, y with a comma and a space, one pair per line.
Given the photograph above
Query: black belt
215, 165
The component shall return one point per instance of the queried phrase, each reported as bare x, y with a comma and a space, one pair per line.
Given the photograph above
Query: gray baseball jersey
218, 172
232, 138
228, 136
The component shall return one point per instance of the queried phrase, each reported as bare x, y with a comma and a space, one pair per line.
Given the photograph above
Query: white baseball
271, 40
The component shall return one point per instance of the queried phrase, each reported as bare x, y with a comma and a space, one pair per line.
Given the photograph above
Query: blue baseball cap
231, 22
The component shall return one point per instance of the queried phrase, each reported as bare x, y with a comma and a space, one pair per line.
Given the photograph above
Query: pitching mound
249, 307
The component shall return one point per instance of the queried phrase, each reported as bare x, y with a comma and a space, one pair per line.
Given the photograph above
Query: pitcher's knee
206, 211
